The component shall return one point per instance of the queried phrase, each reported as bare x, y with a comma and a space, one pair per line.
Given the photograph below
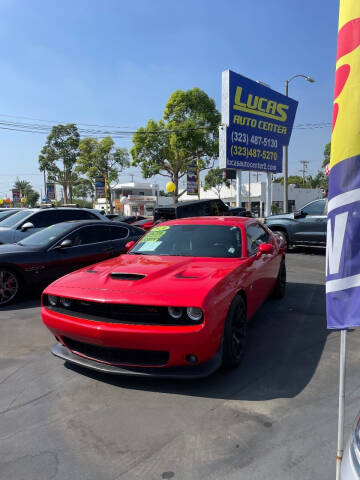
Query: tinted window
315, 208
117, 233
90, 234
45, 236
191, 241
217, 208
255, 235
44, 218
77, 215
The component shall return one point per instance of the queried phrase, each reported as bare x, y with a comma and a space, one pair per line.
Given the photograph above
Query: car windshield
191, 241
45, 236
14, 219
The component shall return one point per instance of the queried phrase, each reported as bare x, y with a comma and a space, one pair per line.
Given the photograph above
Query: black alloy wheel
280, 286
9, 286
234, 333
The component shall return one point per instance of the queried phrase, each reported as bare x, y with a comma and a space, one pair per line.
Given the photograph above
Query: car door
90, 244
311, 226
264, 268
120, 235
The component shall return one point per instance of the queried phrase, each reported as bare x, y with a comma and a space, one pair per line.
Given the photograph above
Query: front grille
118, 356
121, 313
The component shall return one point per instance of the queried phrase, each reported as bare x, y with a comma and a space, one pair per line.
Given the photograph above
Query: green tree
215, 180
292, 180
102, 159
327, 151
59, 155
83, 188
23, 186
188, 132
32, 198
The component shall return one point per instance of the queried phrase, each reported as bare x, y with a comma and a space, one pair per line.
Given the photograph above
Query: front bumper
350, 469
183, 372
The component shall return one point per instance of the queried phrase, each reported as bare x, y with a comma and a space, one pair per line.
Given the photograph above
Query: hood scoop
126, 276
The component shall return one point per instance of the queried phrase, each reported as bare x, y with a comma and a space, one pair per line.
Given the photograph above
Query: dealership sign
192, 182
99, 187
256, 123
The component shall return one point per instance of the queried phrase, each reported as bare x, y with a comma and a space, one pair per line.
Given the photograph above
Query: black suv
306, 226
197, 208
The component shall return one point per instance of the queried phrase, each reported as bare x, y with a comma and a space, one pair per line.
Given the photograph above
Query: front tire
282, 235
280, 286
234, 334
9, 286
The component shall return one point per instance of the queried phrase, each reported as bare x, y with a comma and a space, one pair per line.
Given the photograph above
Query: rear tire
234, 334
280, 286
9, 286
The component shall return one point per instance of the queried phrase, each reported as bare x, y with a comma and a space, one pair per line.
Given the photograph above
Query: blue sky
116, 62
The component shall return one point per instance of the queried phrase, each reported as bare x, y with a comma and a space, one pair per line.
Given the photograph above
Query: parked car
57, 250
7, 212
128, 218
350, 465
146, 223
177, 304
306, 226
30, 220
197, 208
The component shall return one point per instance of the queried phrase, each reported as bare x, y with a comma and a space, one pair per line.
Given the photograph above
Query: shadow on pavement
285, 342
30, 301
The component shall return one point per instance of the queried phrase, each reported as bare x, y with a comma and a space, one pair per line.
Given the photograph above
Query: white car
350, 465
30, 220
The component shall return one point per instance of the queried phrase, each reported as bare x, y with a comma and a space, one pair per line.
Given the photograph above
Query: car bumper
183, 372
123, 348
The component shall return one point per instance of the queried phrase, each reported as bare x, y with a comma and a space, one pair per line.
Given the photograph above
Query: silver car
350, 465
30, 220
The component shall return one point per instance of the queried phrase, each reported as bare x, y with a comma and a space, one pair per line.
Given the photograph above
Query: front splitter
185, 372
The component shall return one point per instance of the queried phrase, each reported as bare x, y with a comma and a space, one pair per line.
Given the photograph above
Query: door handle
108, 249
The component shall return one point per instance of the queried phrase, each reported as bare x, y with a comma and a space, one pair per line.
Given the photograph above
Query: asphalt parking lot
274, 417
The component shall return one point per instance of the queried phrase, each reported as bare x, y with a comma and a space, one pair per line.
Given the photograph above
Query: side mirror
129, 245
264, 249
26, 226
299, 214
64, 244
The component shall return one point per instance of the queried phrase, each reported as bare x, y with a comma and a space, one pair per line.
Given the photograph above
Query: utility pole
303, 170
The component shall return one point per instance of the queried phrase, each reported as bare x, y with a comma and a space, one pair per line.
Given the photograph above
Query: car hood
7, 235
157, 279
13, 248
283, 216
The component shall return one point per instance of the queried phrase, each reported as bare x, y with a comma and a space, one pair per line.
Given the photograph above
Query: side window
315, 208
116, 233
255, 235
77, 215
90, 234
44, 219
219, 207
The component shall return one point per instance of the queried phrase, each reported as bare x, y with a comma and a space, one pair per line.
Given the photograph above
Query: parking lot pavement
274, 417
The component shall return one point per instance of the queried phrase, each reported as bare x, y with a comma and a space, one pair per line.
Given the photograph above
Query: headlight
65, 302
52, 300
175, 312
195, 314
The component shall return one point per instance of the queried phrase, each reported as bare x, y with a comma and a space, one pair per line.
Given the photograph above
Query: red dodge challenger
175, 305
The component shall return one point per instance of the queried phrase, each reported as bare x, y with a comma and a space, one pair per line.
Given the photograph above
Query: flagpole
340, 440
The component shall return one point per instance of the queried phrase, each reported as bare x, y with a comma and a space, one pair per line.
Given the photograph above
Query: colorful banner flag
192, 181
343, 229
50, 191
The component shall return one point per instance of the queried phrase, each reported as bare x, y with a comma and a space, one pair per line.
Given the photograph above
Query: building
297, 197
135, 198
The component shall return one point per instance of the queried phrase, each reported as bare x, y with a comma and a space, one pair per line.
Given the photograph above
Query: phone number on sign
239, 151
254, 140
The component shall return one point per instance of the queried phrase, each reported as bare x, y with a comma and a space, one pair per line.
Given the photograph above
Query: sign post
256, 123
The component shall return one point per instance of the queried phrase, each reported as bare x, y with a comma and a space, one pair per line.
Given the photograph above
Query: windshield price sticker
257, 122
155, 234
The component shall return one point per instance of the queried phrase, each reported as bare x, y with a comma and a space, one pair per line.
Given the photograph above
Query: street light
311, 80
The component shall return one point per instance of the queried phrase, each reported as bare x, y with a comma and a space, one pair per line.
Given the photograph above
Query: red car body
149, 284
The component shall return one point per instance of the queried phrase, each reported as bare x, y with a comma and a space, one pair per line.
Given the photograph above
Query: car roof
209, 221
191, 202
